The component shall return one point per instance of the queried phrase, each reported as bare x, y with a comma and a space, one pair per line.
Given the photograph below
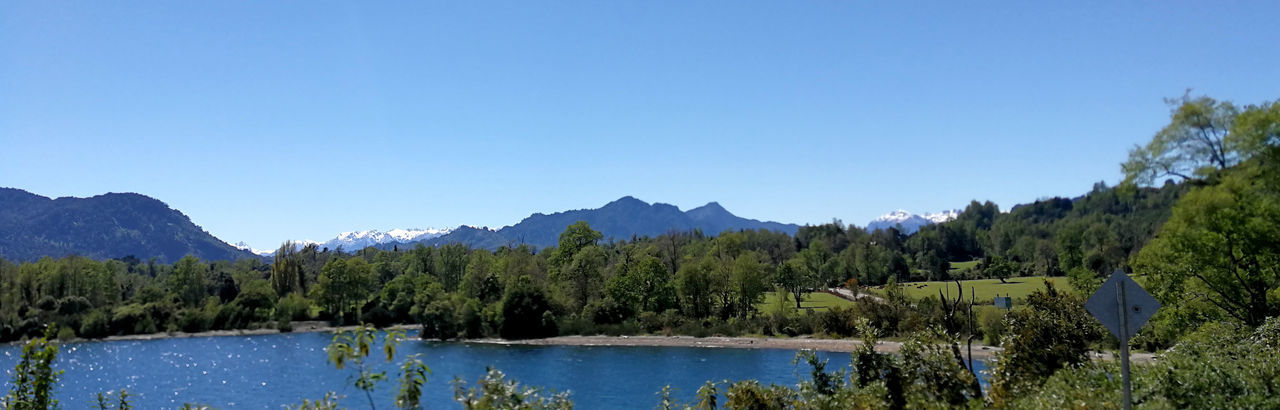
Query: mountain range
116, 225
620, 219
112, 225
907, 222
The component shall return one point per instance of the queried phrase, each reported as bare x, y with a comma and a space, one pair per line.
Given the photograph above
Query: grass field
814, 300
958, 266
984, 289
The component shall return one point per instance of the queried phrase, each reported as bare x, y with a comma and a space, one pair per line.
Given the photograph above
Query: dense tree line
585, 284
680, 282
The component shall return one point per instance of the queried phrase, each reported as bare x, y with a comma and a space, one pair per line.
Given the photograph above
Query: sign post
1123, 307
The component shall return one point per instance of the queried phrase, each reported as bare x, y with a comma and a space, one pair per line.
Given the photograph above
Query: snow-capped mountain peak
943, 216
908, 222
356, 240
245, 247
895, 216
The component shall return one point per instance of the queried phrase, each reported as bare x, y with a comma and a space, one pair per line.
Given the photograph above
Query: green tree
526, 312
582, 276
286, 270
795, 278
1220, 246
1257, 129
693, 285
1000, 268
481, 278
345, 284
643, 286
1197, 142
574, 238
750, 282
188, 281
450, 265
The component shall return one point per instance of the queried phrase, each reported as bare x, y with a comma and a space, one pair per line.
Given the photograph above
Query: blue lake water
270, 371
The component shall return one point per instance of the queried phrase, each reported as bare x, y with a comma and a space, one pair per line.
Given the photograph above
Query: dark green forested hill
105, 226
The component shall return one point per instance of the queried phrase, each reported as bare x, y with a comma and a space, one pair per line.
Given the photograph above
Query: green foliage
121, 403
329, 402
286, 270
96, 325
494, 392
993, 325
1219, 366
574, 238
1197, 142
294, 306
413, 374
999, 268
33, 379
644, 285
344, 285
1220, 247
1050, 332
526, 312
925, 375
188, 281
353, 347
439, 320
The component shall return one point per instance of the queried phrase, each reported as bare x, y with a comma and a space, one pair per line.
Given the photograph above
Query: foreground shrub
33, 380
1220, 366
1050, 332
494, 391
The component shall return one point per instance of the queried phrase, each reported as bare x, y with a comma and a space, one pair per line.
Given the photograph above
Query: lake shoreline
798, 343
980, 351
298, 327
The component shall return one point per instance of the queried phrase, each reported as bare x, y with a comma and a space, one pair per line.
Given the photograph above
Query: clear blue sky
266, 121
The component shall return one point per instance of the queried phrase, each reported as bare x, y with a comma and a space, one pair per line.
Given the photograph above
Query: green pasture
814, 300
984, 289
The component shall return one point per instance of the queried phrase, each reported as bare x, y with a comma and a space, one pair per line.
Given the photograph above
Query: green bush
526, 312
1219, 366
576, 325
284, 324
230, 316
194, 320
132, 319
992, 323
73, 305
96, 325
439, 320
66, 333
839, 321
296, 306
1050, 332
607, 311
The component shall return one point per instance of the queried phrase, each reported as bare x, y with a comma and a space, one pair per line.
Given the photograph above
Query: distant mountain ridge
908, 223
112, 225
116, 225
620, 219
